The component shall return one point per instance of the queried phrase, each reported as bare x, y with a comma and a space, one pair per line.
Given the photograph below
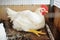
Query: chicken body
26, 20
2, 32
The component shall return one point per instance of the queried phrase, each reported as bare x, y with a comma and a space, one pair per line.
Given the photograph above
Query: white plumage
2, 32
26, 20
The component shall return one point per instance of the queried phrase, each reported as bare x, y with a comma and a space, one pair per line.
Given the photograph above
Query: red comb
44, 6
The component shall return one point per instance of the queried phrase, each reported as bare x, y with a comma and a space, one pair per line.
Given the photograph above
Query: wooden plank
49, 32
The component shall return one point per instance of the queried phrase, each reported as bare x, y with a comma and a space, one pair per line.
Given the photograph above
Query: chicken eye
42, 9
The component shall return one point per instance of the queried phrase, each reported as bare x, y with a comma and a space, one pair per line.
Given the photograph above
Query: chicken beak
46, 12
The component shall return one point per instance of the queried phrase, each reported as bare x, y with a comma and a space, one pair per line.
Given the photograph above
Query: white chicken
27, 20
2, 32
